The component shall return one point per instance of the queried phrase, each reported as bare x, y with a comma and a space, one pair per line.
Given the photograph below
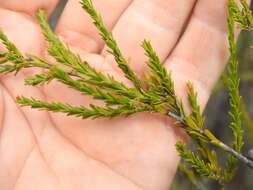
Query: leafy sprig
111, 43
204, 169
241, 14
244, 18
93, 111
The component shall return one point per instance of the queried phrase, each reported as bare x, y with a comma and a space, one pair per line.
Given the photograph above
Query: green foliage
111, 43
209, 170
195, 120
79, 68
92, 112
156, 94
242, 16
233, 83
160, 78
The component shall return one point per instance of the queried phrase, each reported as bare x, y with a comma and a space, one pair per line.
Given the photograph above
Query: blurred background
217, 115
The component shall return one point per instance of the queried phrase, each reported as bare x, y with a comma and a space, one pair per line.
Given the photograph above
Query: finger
159, 21
19, 24
201, 54
76, 27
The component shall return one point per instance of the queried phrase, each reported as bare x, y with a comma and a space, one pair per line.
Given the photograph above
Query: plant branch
217, 142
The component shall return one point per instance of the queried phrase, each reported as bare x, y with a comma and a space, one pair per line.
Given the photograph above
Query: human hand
51, 151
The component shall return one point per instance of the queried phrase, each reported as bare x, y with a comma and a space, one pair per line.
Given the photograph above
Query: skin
45, 151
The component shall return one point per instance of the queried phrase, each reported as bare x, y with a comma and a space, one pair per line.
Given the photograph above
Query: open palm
45, 151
